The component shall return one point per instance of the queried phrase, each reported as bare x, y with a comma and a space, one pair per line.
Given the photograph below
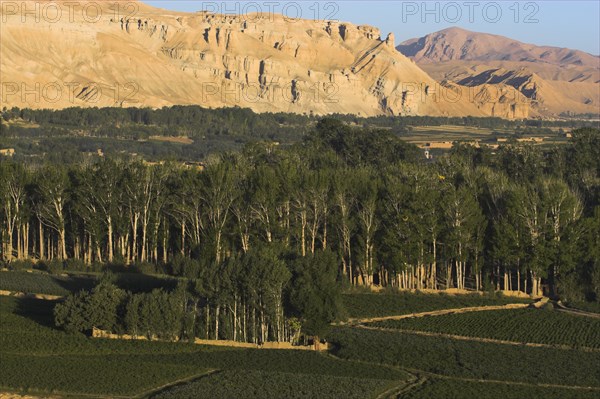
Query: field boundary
506, 382
181, 381
323, 347
576, 312
438, 313
398, 390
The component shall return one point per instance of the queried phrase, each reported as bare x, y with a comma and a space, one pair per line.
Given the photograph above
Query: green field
258, 385
37, 358
362, 305
592, 307
37, 283
517, 325
43, 283
464, 359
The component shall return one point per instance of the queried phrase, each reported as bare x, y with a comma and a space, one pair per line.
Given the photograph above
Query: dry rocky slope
554, 80
152, 57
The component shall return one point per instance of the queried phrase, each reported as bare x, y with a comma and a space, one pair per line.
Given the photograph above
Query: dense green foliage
467, 359
74, 134
363, 305
258, 385
515, 219
517, 325
38, 357
258, 282
450, 389
264, 236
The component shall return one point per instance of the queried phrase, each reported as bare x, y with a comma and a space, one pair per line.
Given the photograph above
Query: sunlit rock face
143, 56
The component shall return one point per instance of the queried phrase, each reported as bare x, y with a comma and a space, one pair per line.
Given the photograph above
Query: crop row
521, 325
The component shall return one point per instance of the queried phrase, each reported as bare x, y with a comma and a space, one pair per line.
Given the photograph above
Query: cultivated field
415, 357
38, 359
365, 305
517, 325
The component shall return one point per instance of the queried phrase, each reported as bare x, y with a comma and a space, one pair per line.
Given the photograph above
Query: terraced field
38, 359
365, 305
386, 359
458, 359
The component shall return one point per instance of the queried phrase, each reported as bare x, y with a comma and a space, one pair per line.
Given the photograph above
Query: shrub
20, 265
76, 265
54, 266
144, 267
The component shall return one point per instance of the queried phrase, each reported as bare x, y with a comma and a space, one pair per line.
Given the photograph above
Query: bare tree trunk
217, 313
110, 239
235, 320
26, 240
207, 321
303, 234
63, 245
183, 238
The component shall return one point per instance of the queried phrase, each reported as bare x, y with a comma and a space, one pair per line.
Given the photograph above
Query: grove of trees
518, 218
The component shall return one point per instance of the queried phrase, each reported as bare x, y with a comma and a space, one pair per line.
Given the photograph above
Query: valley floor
415, 346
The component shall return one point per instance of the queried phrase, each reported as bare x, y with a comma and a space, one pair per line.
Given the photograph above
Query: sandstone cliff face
554, 80
151, 57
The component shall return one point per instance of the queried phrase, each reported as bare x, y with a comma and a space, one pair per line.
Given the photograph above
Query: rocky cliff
143, 56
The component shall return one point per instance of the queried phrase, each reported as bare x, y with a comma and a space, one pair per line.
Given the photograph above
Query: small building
7, 152
199, 166
530, 140
439, 145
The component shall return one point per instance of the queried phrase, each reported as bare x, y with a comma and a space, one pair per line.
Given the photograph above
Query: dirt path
576, 312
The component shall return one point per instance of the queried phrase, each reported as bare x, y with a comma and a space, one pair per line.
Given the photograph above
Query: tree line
195, 121
517, 218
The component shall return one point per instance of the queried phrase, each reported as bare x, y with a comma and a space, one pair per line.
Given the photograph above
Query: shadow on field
138, 283
40, 311
76, 283
130, 281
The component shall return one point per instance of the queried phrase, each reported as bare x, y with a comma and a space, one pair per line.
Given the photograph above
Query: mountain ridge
447, 44
555, 80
